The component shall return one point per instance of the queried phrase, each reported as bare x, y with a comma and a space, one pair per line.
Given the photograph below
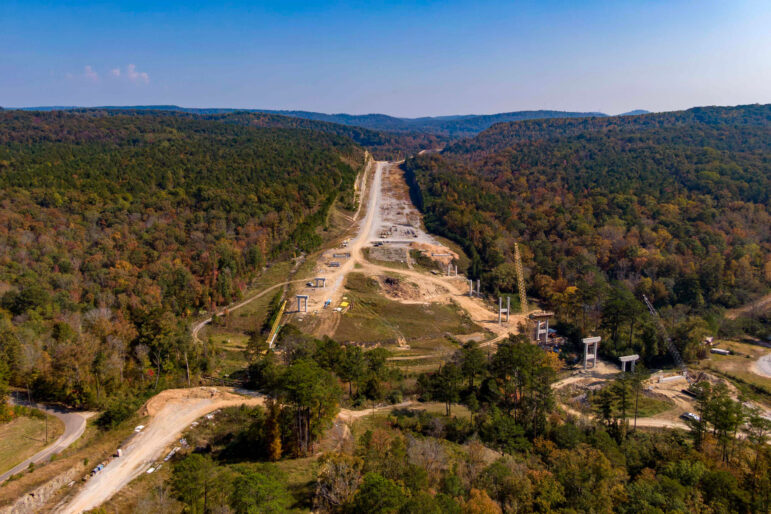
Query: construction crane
670, 345
520, 279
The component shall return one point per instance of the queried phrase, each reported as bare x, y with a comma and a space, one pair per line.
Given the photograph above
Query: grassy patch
415, 366
650, 405
24, 436
373, 318
736, 368
231, 332
381, 418
300, 479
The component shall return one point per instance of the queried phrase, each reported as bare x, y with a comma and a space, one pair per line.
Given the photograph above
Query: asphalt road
74, 426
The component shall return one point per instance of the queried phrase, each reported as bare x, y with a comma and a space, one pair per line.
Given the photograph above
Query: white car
139, 428
690, 416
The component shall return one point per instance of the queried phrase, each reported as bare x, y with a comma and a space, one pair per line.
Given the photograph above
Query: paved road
74, 426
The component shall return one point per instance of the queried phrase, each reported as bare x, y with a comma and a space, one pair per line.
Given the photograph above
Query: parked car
690, 416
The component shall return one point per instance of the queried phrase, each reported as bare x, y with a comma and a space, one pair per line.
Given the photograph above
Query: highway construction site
388, 254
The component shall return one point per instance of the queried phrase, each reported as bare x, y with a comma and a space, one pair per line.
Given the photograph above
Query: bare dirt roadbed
761, 304
762, 366
170, 413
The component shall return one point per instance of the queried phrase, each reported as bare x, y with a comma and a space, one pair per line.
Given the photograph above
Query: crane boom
520, 279
670, 345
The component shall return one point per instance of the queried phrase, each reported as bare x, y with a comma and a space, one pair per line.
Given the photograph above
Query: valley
363, 334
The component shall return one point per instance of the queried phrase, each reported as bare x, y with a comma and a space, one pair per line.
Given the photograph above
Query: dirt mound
477, 337
159, 401
400, 289
436, 253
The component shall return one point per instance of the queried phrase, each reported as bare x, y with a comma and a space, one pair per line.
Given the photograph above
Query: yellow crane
520, 279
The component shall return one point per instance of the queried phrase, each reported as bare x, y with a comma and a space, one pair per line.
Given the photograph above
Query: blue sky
399, 58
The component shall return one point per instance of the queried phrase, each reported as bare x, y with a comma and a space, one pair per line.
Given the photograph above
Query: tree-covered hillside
442, 126
388, 129
382, 143
673, 205
114, 229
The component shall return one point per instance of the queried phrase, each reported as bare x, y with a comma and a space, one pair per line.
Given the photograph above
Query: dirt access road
198, 326
762, 366
606, 371
386, 206
170, 412
381, 210
374, 168
760, 305
74, 426
362, 232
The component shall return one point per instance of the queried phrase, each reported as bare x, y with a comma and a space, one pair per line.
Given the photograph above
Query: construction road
172, 411
365, 230
762, 366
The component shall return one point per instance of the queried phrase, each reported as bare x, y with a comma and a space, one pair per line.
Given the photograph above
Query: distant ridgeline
382, 145
674, 205
441, 127
115, 227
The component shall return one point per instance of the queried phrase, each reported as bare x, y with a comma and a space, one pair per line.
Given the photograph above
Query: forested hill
740, 120
438, 126
114, 229
446, 126
673, 205
382, 145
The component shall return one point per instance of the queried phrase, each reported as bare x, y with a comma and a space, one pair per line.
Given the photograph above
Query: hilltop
672, 205
443, 126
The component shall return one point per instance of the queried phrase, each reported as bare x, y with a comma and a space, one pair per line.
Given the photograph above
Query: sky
421, 58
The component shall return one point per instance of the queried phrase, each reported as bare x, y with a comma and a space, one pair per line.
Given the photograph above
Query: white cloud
129, 73
90, 74
136, 76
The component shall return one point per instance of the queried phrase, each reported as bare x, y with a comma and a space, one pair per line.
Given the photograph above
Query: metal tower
670, 345
520, 279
